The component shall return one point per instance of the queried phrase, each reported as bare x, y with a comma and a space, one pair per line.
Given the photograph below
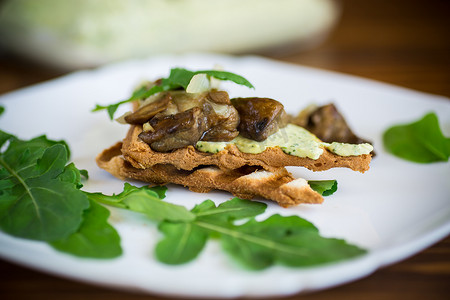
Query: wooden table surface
401, 42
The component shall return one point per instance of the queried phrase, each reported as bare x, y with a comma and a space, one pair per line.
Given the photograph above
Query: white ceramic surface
395, 210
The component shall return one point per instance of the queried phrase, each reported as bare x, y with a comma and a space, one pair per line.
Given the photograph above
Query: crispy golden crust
278, 186
141, 156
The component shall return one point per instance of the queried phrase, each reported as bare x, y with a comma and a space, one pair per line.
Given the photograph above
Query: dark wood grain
401, 42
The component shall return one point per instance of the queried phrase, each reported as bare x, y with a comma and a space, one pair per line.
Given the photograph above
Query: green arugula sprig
40, 199
421, 141
147, 201
178, 78
290, 241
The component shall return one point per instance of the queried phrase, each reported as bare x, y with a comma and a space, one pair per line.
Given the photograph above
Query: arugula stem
183, 240
23, 183
218, 211
104, 199
256, 240
435, 150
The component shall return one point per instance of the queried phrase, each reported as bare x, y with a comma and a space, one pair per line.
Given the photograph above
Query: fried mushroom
148, 111
327, 123
259, 117
189, 118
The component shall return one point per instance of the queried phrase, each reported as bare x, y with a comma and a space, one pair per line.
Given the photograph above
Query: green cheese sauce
293, 140
344, 149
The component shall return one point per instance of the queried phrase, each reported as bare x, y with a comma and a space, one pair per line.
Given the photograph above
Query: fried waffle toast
141, 156
278, 185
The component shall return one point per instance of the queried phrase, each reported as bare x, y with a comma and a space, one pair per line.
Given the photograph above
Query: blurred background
73, 34
398, 41
401, 42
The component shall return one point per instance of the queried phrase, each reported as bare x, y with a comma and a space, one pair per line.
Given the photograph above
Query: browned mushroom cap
148, 111
259, 117
175, 131
222, 122
327, 124
219, 97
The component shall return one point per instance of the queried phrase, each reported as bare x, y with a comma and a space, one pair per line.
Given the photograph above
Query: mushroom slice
222, 120
327, 123
219, 97
259, 117
175, 131
145, 113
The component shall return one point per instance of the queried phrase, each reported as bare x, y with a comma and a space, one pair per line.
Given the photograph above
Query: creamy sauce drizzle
293, 140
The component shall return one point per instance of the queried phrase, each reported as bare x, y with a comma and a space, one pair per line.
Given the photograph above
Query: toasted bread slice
279, 186
141, 156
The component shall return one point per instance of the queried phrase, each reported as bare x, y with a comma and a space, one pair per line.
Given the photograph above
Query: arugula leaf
95, 238
222, 75
40, 199
184, 241
234, 209
145, 200
421, 141
2, 110
4, 138
34, 202
72, 174
323, 187
141, 93
290, 241
178, 78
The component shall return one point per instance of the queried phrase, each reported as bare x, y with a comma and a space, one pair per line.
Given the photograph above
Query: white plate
395, 210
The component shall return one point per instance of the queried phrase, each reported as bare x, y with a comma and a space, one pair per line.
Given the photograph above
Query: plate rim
373, 260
